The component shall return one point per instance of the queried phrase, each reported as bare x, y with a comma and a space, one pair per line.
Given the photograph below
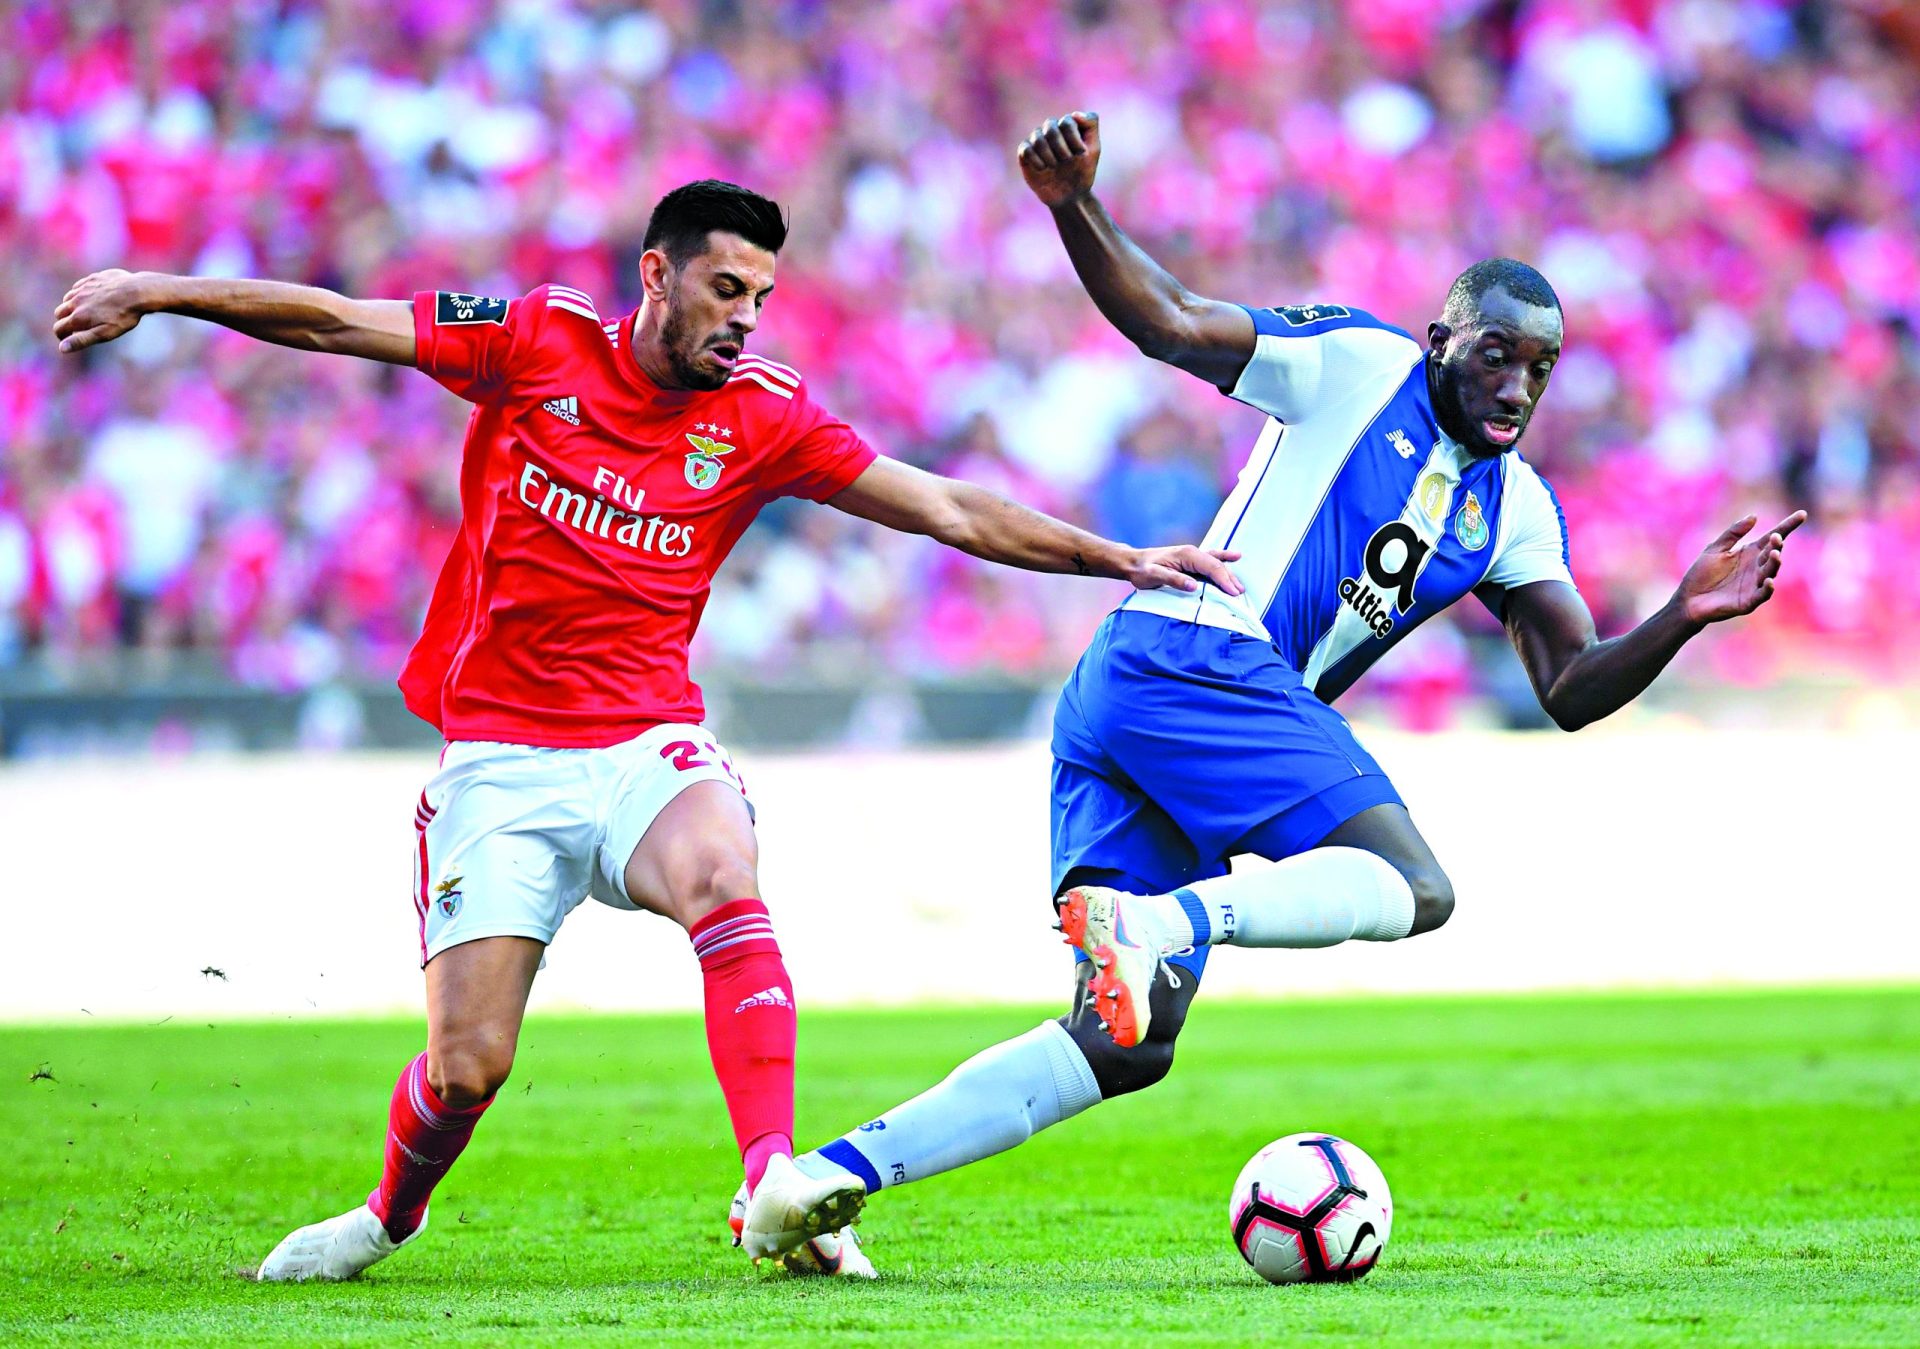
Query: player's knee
716, 875
695, 877
1432, 899
467, 1070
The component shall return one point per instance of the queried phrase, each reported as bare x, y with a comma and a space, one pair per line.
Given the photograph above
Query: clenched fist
1059, 159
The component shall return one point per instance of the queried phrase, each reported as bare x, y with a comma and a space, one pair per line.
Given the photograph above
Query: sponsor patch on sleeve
450, 306
1300, 315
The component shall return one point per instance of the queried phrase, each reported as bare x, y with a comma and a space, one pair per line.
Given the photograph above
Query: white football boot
1126, 941
790, 1207
834, 1254
338, 1248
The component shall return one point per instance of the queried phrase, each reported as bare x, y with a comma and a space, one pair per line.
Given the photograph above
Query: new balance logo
770, 997
1402, 446
566, 409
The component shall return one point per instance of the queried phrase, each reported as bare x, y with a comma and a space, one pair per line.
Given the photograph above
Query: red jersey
595, 508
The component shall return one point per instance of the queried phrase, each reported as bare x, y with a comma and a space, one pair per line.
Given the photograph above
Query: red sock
751, 1027
424, 1135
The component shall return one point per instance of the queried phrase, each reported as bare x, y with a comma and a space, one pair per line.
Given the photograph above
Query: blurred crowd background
1725, 193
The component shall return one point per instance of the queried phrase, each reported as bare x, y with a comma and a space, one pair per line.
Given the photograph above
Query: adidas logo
566, 409
769, 997
417, 1158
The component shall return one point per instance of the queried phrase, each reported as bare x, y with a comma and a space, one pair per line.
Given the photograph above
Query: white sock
1320, 898
997, 1099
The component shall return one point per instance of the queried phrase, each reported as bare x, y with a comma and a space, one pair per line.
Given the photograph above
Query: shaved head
1470, 289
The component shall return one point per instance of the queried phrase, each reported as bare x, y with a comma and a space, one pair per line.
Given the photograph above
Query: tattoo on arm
1080, 565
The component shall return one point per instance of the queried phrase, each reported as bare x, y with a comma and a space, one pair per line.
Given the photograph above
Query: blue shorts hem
1303, 824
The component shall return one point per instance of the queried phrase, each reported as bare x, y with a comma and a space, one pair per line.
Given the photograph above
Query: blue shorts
1177, 746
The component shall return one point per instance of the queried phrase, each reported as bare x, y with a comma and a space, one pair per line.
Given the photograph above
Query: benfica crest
704, 465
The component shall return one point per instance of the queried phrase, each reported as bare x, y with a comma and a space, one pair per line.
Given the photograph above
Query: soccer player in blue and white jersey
1385, 486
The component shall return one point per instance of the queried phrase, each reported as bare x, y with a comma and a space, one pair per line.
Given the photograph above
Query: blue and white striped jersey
1358, 518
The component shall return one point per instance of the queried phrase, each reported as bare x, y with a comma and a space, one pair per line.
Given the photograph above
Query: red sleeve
469, 342
823, 454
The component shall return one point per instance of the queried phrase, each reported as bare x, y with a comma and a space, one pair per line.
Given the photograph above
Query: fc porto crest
449, 895
1470, 525
704, 464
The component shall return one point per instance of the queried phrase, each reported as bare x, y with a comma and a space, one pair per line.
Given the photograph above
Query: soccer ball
1311, 1208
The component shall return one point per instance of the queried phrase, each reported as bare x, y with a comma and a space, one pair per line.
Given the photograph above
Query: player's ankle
1170, 923
819, 1167
762, 1150
399, 1223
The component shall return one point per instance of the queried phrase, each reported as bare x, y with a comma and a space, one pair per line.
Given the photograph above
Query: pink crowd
1725, 193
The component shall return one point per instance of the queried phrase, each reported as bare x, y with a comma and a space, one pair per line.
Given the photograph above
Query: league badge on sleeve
1470, 526
1300, 315
704, 465
452, 306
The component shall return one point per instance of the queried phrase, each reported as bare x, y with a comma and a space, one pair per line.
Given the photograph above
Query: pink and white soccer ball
1311, 1208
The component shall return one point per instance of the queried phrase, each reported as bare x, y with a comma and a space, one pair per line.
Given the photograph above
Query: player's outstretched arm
1208, 338
1580, 679
106, 304
988, 525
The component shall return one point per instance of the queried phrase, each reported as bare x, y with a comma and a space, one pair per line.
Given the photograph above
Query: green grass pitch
1571, 1170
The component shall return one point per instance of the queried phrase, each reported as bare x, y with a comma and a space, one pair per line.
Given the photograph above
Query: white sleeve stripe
770, 387
572, 308
774, 368
1509, 493
568, 292
764, 373
1533, 541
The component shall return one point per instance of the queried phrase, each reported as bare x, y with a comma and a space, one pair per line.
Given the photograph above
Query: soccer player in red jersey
610, 464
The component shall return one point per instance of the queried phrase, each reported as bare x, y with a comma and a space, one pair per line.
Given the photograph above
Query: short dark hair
1514, 277
683, 218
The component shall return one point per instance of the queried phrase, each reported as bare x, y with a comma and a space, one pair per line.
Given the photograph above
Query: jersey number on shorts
685, 756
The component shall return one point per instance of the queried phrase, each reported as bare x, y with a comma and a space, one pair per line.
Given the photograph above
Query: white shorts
509, 839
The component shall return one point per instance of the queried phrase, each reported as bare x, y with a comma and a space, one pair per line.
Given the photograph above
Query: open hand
1183, 568
98, 308
1732, 578
1059, 159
